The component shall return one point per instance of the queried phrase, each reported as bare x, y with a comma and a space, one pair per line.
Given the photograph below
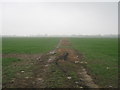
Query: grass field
28, 45
100, 53
21, 45
102, 57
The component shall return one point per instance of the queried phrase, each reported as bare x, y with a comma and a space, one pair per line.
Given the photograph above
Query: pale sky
59, 18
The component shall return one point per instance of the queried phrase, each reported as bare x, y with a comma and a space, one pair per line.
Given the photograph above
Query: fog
59, 18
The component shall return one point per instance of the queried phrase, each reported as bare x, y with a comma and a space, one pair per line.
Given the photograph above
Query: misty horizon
77, 36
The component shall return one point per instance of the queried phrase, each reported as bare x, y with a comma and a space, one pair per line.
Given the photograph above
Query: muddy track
64, 58
69, 55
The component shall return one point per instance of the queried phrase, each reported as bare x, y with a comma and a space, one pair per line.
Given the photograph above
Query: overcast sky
59, 18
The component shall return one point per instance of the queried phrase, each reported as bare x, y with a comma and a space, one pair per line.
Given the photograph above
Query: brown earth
60, 68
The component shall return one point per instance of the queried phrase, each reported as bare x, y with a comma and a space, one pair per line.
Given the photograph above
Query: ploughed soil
59, 68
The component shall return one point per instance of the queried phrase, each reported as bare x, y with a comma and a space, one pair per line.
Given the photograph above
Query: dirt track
62, 68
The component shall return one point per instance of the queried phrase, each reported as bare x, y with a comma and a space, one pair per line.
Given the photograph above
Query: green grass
9, 71
23, 45
55, 79
28, 45
100, 53
58, 79
8, 61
